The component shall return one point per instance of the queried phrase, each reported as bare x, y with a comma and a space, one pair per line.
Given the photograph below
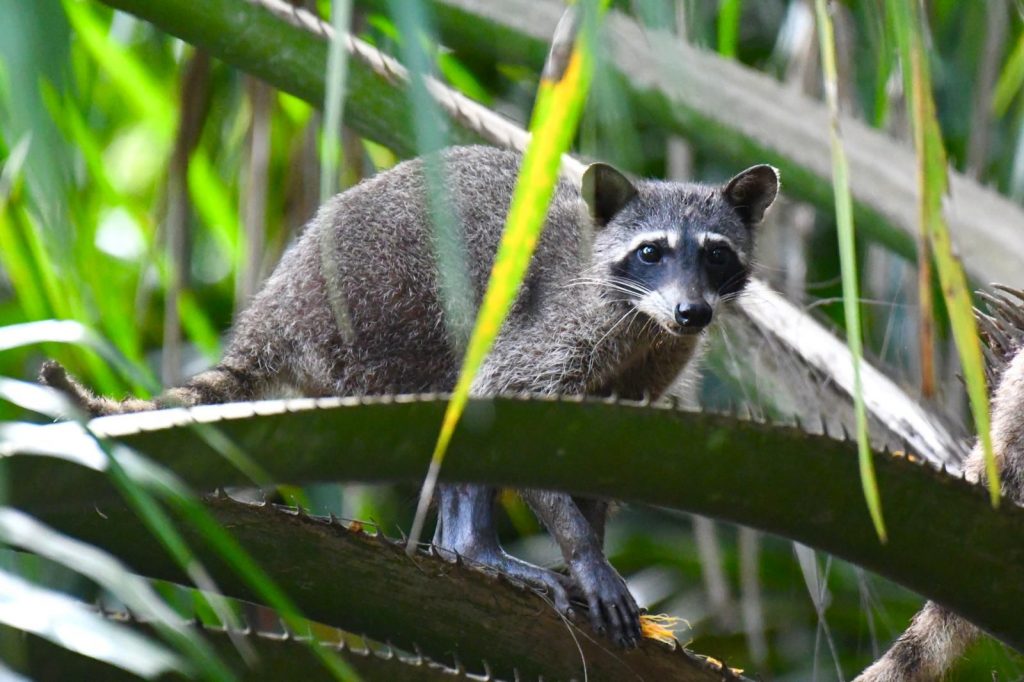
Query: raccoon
625, 278
936, 637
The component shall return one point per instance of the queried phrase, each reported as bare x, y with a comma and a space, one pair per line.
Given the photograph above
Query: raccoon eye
648, 253
717, 256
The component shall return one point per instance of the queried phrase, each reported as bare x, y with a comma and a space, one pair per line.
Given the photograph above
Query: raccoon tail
931, 645
218, 385
936, 637
54, 375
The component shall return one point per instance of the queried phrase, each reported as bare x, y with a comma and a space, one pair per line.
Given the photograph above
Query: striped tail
218, 385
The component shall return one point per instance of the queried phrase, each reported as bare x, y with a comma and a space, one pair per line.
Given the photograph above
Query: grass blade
933, 186
560, 99
330, 150
848, 263
729, 27
173, 491
19, 529
68, 332
72, 625
1010, 79
334, 99
432, 136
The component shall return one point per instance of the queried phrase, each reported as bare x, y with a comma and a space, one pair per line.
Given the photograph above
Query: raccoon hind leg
466, 528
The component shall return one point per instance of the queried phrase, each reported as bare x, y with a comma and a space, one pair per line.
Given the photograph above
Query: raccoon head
674, 251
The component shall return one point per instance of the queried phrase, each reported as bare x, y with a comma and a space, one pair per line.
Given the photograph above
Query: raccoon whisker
594, 279
634, 318
625, 280
612, 286
732, 280
730, 297
632, 313
621, 295
749, 295
620, 285
633, 284
648, 323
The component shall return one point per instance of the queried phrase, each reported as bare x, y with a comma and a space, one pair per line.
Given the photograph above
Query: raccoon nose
693, 316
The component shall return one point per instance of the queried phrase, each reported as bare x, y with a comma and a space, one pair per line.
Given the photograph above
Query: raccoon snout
693, 317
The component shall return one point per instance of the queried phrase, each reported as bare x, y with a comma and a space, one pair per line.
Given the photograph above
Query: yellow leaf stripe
552, 128
933, 185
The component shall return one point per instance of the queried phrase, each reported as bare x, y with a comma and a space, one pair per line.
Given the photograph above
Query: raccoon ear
606, 191
752, 192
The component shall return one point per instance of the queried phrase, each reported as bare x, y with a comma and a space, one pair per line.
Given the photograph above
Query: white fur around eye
654, 236
705, 239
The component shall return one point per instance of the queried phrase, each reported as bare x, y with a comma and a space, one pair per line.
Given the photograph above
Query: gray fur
937, 637
566, 333
367, 258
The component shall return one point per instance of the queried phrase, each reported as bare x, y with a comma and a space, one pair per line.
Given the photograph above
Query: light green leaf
139, 89
1010, 79
848, 265
729, 15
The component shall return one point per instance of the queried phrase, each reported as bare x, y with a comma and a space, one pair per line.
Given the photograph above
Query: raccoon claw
613, 611
560, 596
556, 585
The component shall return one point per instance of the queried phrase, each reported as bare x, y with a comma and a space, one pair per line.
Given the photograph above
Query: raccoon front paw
612, 609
